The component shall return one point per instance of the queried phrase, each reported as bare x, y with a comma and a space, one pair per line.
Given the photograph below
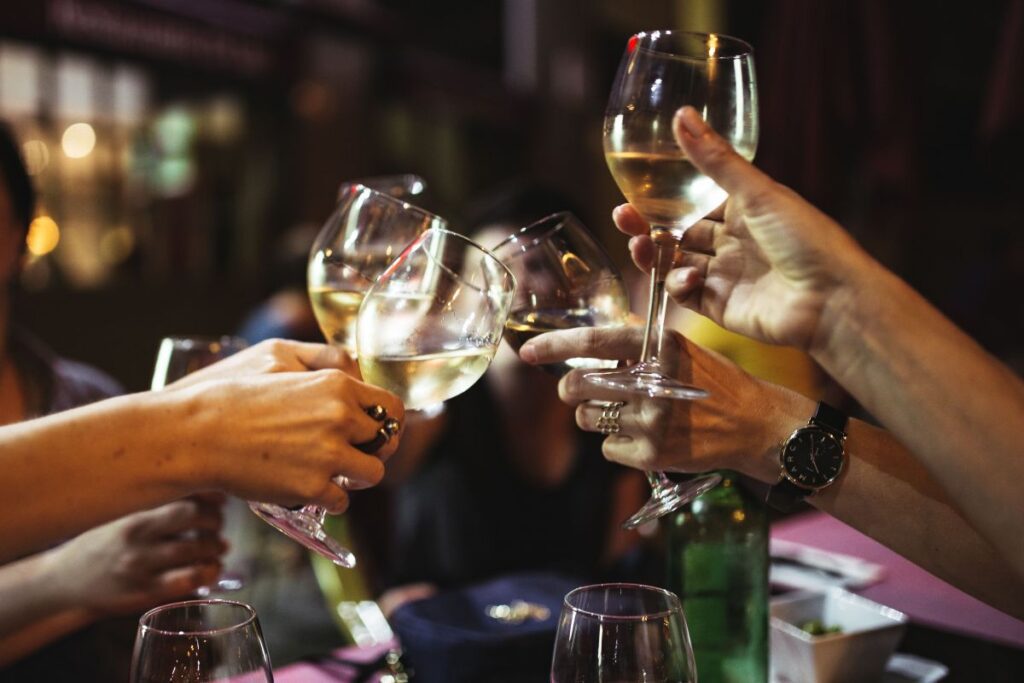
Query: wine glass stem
665, 249
658, 481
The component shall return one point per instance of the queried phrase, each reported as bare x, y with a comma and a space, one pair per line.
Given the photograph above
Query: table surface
926, 599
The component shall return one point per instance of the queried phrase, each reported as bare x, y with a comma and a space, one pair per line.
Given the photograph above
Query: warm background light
78, 140
43, 236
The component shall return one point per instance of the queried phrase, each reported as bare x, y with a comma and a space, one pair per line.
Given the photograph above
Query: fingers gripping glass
660, 72
622, 632
564, 279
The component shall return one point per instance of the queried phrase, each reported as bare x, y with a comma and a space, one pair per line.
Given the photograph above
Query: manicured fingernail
528, 354
692, 122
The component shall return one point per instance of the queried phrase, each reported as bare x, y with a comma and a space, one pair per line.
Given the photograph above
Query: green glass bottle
718, 565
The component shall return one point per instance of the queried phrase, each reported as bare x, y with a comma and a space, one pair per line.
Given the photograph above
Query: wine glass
564, 279
180, 356
429, 326
399, 185
367, 230
660, 72
622, 632
198, 641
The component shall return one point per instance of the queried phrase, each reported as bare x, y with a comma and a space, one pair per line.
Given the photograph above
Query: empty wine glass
622, 632
180, 356
198, 641
429, 326
660, 72
564, 279
367, 230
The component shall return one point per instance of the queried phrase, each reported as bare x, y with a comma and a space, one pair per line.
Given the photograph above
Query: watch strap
830, 418
785, 496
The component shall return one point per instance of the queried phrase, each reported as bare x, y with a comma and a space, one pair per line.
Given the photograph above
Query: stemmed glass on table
198, 641
366, 232
564, 279
622, 632
660, 72
180, 356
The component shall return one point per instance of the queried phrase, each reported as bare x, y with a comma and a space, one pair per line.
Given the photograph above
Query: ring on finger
376, 443
608, 423
377, 412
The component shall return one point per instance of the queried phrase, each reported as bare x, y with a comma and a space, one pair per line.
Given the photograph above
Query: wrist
848, 306
782, 412
178, 424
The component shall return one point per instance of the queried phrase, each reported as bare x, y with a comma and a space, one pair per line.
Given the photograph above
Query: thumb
716, 158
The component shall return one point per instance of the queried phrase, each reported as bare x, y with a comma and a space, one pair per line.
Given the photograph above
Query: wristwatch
811, 458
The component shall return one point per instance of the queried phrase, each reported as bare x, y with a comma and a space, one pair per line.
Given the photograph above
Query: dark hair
15, 177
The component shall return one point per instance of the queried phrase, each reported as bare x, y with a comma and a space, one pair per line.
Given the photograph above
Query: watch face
812, 457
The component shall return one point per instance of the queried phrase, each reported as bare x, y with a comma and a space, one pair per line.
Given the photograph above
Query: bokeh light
78, 140
43, 236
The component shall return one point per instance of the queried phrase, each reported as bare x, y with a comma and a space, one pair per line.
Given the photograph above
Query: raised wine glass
660, 72
367, 230
180, 356
622, 632
429, 326
564, 279
198, 641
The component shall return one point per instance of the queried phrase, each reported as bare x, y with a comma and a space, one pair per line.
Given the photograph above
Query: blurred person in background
59, 608
940, 488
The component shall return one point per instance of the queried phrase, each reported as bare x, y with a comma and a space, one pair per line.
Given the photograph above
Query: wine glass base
641, 380
305, 530
666, 500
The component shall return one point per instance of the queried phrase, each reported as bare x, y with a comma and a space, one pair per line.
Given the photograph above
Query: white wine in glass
660, 72
430, 325
336, 311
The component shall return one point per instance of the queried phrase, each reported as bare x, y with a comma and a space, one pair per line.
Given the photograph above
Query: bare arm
884, 492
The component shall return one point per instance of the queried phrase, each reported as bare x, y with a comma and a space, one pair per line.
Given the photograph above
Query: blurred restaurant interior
187, 151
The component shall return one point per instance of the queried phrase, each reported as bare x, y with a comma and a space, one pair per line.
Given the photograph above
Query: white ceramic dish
869, 634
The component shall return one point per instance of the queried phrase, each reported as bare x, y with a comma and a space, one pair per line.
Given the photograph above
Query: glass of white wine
564, 279
367, 230
660, 72
429, 326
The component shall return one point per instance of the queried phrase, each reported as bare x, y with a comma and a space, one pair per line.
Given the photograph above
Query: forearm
66, 473
885, 493
32, 612
954, 406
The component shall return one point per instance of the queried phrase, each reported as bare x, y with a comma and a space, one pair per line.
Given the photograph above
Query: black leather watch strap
785, 496
831, 419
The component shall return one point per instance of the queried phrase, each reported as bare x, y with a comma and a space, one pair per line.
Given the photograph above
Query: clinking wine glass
180, 356
564, 279
430, 325
660, 72
367, 230
198, 641
622, 632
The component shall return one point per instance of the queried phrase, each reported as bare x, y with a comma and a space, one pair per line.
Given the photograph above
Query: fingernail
528, 353
678, 278
693, 123
633, 242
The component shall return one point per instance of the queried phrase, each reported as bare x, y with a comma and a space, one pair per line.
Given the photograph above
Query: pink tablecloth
926, 599
326, 671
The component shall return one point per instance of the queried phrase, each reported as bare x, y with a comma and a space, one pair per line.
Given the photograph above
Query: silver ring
608, 423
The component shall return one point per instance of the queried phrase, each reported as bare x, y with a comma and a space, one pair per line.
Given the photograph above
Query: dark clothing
102, 651
468, 515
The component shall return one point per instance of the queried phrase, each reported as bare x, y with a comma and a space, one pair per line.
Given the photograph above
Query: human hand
281, 437
141, 560
739, 426
771, 266
274, 355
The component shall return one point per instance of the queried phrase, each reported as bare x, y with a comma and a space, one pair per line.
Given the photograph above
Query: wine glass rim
746, 49
416, 187
406, 206
562, 217
676, 606
472, 243
249, 619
